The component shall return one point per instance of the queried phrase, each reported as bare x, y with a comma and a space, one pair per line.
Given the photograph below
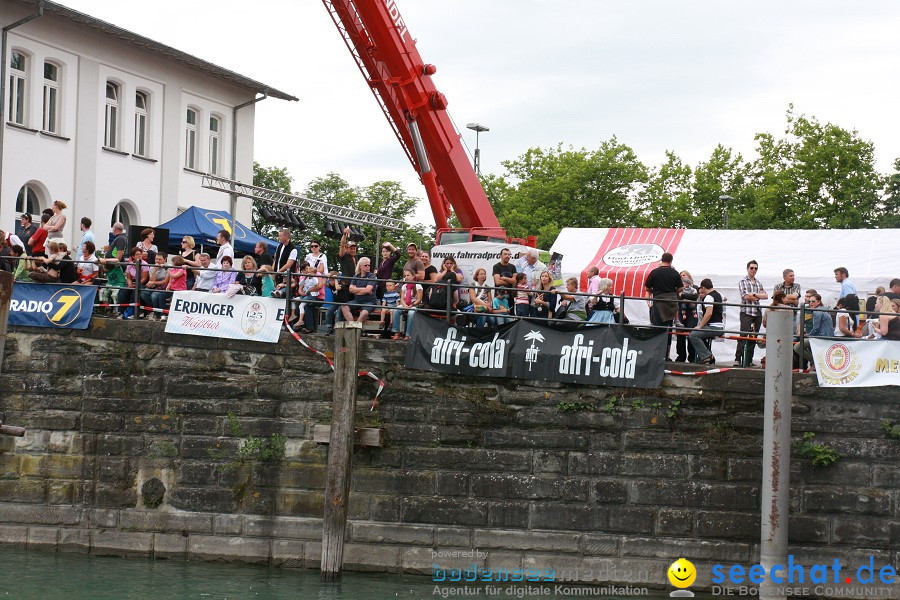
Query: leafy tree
667, 199
889, 210
568, 188
818, 176
724, 174
272, 178
382, 197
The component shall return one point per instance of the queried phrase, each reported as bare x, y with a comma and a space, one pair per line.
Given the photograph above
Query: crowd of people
520, 288
676, 303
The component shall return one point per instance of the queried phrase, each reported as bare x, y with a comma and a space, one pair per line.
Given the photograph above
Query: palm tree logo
532, 352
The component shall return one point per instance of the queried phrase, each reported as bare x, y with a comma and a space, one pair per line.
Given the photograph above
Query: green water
44, 575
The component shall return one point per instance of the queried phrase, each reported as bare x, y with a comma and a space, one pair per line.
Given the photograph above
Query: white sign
472, 256
633, 255
215, 315
856, 363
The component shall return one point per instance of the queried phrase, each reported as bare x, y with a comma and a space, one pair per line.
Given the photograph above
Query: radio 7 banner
51, 305
856, 363
585, 354
216, 315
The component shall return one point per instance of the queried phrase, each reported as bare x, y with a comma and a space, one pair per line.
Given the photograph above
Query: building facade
117, 126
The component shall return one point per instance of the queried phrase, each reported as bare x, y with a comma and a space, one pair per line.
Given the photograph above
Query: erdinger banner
216, 315
856, 363
593, 355
50, 305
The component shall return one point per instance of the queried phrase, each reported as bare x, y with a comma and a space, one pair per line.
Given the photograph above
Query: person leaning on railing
889, 325
821, 326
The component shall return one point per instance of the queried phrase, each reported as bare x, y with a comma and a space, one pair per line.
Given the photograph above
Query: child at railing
522, 306
410, 299
389, 302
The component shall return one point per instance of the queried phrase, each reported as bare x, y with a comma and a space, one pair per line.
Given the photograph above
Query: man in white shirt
205, 280
532, 267
223, 239
316, 258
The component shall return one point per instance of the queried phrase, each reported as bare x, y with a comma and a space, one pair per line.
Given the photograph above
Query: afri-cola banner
610, 355
51, 305
856, 363
215, 315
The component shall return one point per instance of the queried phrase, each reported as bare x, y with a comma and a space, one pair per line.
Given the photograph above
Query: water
44, 575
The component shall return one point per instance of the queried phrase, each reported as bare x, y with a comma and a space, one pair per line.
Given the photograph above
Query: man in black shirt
663, 284
504, 273
711, 324
261, 254
25, 230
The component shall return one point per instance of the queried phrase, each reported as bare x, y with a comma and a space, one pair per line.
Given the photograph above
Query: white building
117, 126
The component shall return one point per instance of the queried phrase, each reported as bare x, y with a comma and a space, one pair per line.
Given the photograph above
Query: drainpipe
3, 69
233, 195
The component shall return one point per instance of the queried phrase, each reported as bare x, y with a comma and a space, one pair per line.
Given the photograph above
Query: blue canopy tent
204, 224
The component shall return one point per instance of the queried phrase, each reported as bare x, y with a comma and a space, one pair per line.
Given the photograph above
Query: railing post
138, 272
287, 295
340, 447
802, 337
449, 301
6, 287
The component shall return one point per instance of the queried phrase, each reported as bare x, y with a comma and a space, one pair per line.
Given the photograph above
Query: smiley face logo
682, 573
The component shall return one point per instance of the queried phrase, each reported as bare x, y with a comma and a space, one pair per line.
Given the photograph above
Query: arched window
111, 124
215, 125
51, 98
190, 139
28, 202
18, 88
141, 108
122, 213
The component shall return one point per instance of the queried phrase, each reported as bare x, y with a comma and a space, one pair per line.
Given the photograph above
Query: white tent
627, 255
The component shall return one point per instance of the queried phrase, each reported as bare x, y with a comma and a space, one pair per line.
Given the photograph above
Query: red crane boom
386, 54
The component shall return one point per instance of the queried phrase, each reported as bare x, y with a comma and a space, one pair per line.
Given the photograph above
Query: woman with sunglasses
389, 256
190, 259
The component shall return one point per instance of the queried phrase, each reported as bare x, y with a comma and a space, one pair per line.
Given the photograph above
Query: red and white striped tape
368, 374
714, 371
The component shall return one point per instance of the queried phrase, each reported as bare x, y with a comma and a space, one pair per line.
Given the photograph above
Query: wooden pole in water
6, 285
340, 448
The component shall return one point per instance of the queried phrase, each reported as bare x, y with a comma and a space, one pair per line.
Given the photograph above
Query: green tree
561, 187
818, 176
667, 199
724, 174
272, 178
889, 210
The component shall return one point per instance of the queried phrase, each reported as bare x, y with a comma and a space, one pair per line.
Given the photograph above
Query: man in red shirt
40, 236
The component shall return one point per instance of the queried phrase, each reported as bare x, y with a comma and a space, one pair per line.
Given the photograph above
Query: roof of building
167, 51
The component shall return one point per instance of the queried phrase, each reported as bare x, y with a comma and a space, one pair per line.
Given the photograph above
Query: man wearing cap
347, 265
414, 265
25, 230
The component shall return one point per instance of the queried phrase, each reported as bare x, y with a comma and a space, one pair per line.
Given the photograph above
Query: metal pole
802, 337
776, 445
340, 448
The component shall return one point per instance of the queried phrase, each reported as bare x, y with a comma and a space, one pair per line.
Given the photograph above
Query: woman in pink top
177, 283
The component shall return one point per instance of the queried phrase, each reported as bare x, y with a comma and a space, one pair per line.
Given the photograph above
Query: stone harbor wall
143, 443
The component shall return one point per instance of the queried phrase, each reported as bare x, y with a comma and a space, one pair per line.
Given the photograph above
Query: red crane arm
384, 51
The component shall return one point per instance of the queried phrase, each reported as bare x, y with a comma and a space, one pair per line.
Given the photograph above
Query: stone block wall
134, 440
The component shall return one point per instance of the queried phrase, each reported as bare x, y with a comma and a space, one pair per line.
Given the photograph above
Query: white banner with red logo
216, 315
856, 363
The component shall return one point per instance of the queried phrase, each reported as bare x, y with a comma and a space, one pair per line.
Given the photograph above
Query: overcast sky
660, 75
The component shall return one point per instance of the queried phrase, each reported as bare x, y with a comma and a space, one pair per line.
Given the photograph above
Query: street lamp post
727, 200
477, 128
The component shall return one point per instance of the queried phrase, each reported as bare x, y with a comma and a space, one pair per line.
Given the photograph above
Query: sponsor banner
856, 363
593, 355
51, 305
215, 315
